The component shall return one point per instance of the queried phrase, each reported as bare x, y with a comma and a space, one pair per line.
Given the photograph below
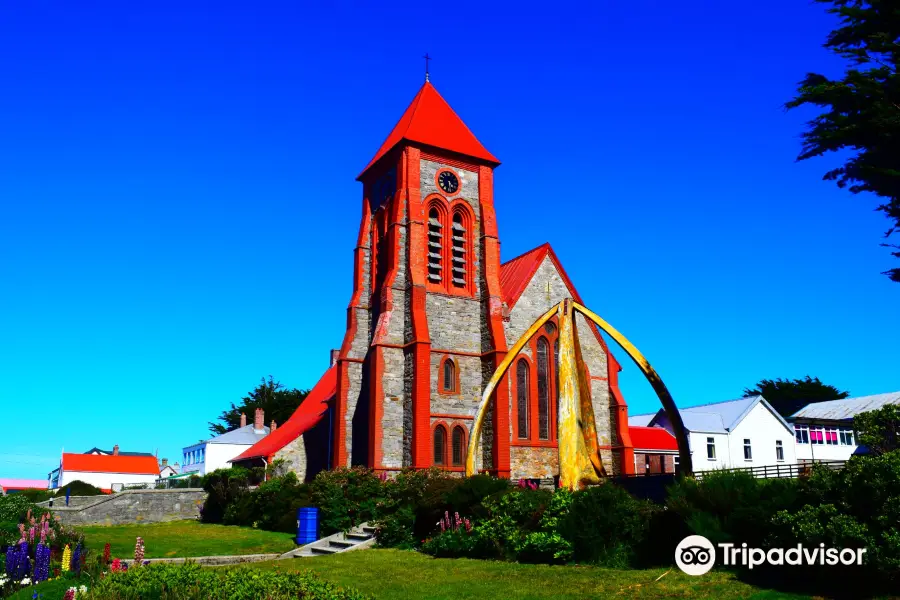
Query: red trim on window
440, 373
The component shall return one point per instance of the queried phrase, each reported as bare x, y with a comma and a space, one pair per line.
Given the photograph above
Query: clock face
448, 182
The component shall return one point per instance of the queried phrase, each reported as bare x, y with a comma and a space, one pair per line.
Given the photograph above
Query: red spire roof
430, 120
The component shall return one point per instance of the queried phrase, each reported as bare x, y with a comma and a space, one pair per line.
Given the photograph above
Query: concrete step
368, 529
358, 537
341, 544
324, 550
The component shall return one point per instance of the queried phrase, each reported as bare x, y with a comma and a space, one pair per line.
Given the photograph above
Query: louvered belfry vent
435, 248
458, 258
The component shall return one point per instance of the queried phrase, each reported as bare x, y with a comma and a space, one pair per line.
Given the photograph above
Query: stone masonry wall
547, 288
135, 506
457, 323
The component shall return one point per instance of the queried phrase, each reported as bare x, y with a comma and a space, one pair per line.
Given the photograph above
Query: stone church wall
547, 288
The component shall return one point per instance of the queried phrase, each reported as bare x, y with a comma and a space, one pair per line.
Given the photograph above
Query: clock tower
425, 321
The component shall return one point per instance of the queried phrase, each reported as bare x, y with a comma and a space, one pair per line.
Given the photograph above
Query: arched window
556, 374
543, 388
522, 398
435, 246
448, 376
440, 445
458, 255
458, 440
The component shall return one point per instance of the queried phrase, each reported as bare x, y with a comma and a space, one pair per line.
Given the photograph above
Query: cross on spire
427, 58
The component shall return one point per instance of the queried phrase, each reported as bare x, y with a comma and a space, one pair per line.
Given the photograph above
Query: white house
105, 471
746, 432
216, 453
824, 430
166, 470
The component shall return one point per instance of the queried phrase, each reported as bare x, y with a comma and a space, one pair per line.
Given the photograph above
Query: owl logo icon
695, 555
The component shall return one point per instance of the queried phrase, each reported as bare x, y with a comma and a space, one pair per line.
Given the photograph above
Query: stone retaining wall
131, 506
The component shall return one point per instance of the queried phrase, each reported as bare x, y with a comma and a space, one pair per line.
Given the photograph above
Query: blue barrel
307, 525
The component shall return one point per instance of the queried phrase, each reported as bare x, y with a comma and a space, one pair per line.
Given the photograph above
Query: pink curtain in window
815, 435
831, 437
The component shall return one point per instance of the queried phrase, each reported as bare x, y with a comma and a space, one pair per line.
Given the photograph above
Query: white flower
83, 589
25, 581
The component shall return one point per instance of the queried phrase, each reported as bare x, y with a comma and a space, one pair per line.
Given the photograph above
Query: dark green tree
787, 396
278, 403
879, 430
863, 107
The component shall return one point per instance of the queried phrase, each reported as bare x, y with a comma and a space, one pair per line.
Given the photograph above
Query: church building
432, 314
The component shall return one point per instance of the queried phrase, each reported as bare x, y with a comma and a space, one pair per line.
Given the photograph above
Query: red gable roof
652, 438
430, 120
99, 463
305, 417
515, 274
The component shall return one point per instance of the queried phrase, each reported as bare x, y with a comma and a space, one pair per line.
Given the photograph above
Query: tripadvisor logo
696, 555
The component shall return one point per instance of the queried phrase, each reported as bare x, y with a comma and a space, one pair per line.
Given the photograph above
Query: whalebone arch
579, 457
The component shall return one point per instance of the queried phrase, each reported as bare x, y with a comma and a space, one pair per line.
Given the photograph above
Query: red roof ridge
109, 463
436, 124
304, 418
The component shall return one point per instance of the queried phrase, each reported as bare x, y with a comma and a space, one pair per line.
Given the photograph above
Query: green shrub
404, 512
272, 506
78, 488
223, 487
191, 582
544, 547
36, 495
459, 544
346, 498
728, 506
606, 525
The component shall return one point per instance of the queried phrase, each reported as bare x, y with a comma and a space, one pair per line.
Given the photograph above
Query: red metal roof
430, 120
22, 484
516, 273
305, 417
99, 463
652, 438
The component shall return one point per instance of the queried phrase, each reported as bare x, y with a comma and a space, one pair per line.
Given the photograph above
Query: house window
748, 451
458, 256
435, 246
802, 434
448, 376
711, 448
458, 441
846, 437
556, 375
831, 436
779, 451
522, 397
440, 444
543, 380
816, 435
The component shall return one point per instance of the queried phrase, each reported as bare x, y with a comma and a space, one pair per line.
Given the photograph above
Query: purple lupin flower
41, 563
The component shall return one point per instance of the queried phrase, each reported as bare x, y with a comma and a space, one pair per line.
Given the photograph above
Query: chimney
334, 357
243, 420
273, 426
116, 450
165, 462
259, 419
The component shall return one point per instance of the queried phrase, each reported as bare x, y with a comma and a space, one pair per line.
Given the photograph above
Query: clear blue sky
178, 206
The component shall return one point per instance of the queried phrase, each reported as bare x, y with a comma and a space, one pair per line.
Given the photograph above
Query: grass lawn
185, 538
398, 574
